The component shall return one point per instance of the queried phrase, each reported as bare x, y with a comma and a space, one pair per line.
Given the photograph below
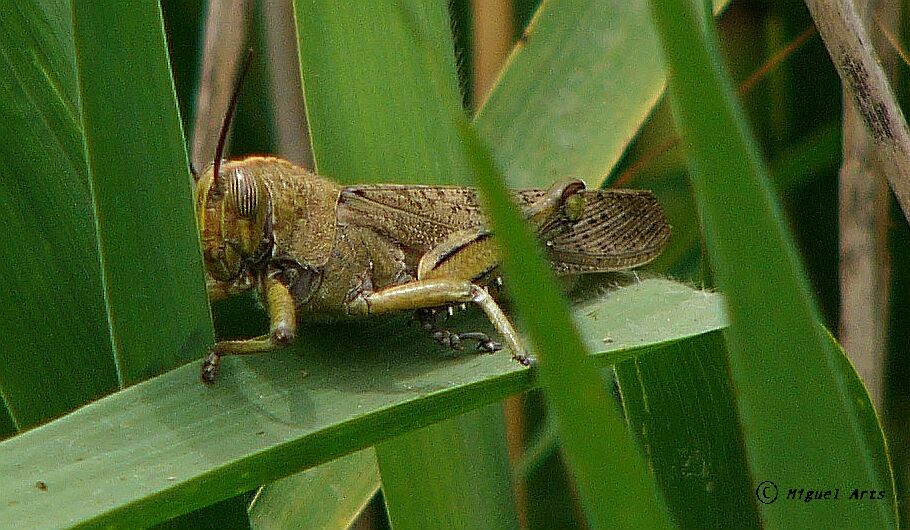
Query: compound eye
245, 192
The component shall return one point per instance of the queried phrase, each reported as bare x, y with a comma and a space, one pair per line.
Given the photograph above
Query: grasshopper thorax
234, 213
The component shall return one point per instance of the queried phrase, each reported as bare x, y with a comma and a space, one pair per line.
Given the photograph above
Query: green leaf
372, 117
554, 497
780, 357
136, 146
331, 495
594, 439
542, 446
158, 307
169, 445
391, 127
576, 90
679, 401
554, 128
142, 189
229, 513
466, 481
55, 323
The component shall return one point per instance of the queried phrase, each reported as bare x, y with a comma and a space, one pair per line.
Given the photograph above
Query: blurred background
793, 100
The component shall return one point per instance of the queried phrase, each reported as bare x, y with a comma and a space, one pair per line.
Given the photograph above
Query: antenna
226, 125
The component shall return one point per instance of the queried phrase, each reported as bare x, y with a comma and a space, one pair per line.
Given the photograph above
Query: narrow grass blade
800, 419
371, 116
391, 127
577, 88
609, 470
170, 445
143, 198
54, 319
331, 495
680, 402
466, 452
142, 189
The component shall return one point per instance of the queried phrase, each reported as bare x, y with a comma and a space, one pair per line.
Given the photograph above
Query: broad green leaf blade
577, 88
372, 113
593, 434
170, 445
142, 189
396, 68
647, 312
58, 348
466, 452
138, 164
679, 401
780, 355
331, 495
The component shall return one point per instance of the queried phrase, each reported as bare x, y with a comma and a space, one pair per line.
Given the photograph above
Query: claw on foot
525, 360
210, 368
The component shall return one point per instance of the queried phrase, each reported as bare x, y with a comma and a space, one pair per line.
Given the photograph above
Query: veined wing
618, 229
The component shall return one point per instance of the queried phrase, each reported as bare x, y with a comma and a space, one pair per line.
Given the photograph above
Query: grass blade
55, 362
390, 127
593, 434
466, 452
680, 403
331, 495
142, 190
781, 359
387, 126
169, 445
576, 90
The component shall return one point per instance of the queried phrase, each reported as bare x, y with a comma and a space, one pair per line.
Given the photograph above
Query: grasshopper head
234, 212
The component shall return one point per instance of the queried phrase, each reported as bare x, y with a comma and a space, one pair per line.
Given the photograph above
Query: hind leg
426, 294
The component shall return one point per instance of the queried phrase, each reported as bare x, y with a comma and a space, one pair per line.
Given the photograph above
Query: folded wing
617, 230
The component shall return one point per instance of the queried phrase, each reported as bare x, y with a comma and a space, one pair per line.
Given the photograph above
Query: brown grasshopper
314, 250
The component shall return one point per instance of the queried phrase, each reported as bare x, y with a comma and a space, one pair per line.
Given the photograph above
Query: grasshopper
315, 250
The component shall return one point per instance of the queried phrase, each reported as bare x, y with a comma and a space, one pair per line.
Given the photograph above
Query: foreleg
282, 331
